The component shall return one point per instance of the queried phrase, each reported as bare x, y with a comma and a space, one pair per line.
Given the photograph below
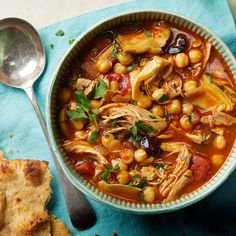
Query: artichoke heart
120, 189
157, 66
140, 43
210, 96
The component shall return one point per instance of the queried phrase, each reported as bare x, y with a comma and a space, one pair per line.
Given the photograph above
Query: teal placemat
212, 216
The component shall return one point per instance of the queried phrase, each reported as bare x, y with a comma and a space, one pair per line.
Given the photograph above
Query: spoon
22, 60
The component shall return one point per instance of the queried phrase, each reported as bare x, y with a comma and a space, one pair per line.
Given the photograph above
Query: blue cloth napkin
21, 135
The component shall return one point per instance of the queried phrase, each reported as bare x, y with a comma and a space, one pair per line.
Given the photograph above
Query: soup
146, 112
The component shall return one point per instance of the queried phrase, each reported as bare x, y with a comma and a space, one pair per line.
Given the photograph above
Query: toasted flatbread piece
24, 193
58, 228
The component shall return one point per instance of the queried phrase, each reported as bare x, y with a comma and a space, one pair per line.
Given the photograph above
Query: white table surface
44, 12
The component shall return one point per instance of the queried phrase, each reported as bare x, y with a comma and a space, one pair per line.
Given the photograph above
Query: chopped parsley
100, 90
51, 46
60, 33
145, 128
164, 98
147, 33
82, 100
139, 182
130, 68
77, 114
134, 131
105, 175
159, 165
93, 136
83, 110
167, 116
114, 123
190, 118
114, 52
122, 53
70, 41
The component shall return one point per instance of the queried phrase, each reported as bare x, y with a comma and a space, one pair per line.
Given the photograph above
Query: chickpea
103, 65
123, 177
114, 145
187, 108
120, 69
77, 124
114, 86
94, 104
217, 159
158, 93
219, 142
140, 155
106, 140
157, 110
133, 173
185, 123
195, 55
197, 43
64, 96
181, 60
144, 102
124, 58
190, 85
149, 194
127, 156
120, 163
174, 107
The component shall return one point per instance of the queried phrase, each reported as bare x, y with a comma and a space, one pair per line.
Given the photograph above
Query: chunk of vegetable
140, 43
149, 194
140, 155
85, 168
123, 177
210, 97
201, 168
181, 60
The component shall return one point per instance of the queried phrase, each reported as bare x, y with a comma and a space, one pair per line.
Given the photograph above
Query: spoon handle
81, 214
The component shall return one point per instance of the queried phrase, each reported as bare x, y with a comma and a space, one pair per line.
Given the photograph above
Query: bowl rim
135, 208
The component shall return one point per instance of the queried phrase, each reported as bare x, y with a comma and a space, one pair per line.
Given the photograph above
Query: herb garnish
108, 171
139, 182
100, 90
93, 136
164, 98
60, 33
190, 118
147, 33
158, 165
51, 46
130, 68
83, 111
77, 114
114, 52
145, 128
122, 53
114, 123
70, 41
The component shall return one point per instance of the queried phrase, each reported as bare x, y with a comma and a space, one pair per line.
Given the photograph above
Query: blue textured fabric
212, 216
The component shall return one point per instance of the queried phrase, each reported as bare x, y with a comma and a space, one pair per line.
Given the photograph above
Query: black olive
151, 145
180, 44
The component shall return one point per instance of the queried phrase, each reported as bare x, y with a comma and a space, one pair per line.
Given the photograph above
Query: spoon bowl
22, 56
22, 61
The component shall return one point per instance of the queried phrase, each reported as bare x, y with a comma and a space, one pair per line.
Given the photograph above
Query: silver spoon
22, 60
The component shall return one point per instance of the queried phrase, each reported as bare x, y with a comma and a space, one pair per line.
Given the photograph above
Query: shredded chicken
198, 136
218, 118
83, 147
183, 180
174, 87
86, 84
132, 114
171, 181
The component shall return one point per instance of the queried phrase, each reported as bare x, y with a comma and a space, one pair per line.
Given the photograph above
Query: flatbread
24, 193
58, 228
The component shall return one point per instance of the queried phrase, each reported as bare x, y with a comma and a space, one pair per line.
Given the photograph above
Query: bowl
81, 183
